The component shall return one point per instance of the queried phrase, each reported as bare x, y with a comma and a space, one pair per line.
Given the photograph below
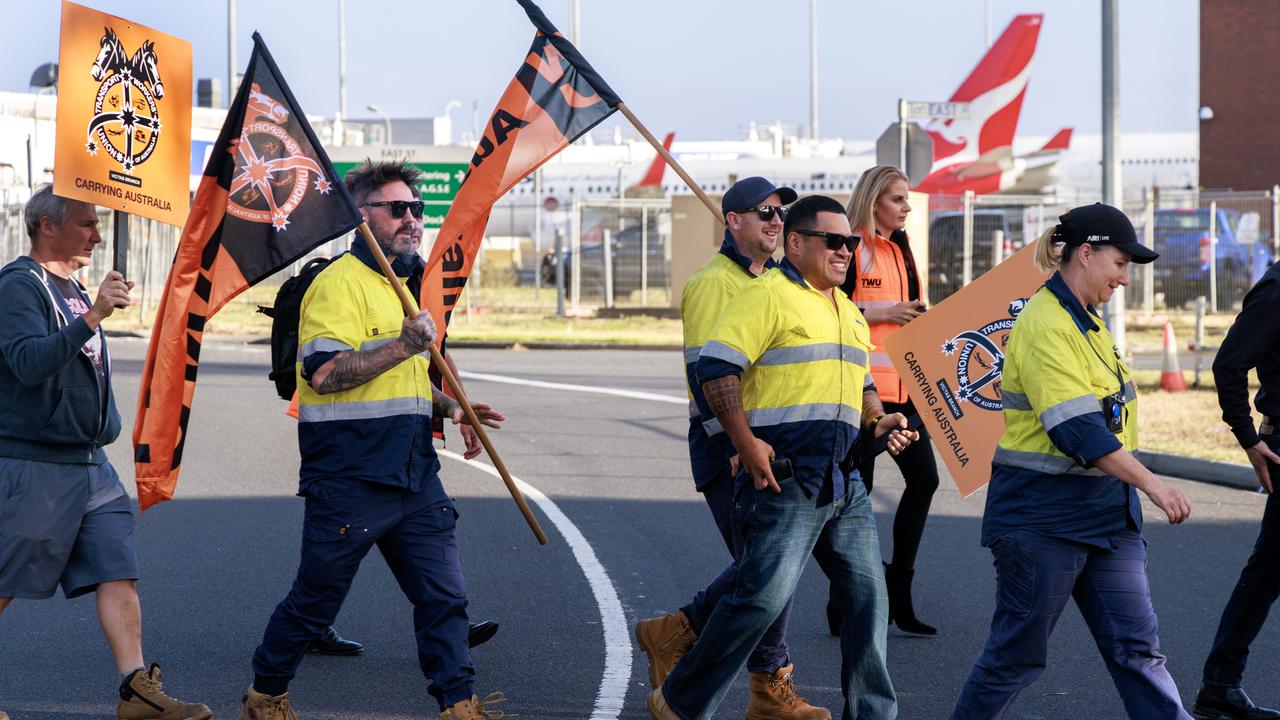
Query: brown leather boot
664, 640
774, 697
658, 707
142, 698
256, 706
4, 715
474, 708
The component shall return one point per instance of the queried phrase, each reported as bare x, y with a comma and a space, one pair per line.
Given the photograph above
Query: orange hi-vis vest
882, 285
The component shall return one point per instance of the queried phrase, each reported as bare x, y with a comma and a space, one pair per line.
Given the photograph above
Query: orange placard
950, 360
124, 116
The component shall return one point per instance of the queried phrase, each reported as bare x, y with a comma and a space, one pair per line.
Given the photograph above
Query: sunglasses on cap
835, 241
397, 207
766, 212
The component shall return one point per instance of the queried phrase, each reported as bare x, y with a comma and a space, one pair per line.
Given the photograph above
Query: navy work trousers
344, 520
771, 652
1252, 598
1035, 577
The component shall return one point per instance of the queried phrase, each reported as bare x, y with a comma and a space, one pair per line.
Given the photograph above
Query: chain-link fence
1213, 245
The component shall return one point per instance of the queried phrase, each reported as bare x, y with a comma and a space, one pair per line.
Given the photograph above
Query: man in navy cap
753, 213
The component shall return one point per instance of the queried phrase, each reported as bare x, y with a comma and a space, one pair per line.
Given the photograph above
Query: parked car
627, 251
946, 245
1187, 246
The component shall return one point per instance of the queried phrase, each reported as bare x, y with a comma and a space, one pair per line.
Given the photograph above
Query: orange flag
556, 96
269, 196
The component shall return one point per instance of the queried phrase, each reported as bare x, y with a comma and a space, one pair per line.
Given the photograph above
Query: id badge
1113, 412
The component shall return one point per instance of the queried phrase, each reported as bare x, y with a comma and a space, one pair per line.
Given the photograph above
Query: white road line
617, 637
633, 394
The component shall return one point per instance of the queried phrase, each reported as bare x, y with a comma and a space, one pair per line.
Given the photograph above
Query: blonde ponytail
1049, 250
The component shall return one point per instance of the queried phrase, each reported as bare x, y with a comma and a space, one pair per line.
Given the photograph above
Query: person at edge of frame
1251, 342
1062, 519
65, 518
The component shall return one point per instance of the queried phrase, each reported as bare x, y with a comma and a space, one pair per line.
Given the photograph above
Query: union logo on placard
272, 174
126, 118
979, 363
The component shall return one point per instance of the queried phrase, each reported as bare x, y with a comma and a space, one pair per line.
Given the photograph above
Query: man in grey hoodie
65, 518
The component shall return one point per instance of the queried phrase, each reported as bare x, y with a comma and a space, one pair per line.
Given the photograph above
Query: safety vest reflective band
1053, 385
882, 286
702, 302
379, 430
803, 367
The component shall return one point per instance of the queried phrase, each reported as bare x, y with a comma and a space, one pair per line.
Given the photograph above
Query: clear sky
704, 68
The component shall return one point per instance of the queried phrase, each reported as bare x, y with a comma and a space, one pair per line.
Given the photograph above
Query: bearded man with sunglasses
785, 372
753, 216
369, 472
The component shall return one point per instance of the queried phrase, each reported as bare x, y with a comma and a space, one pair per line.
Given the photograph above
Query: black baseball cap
749, 192
1100, 224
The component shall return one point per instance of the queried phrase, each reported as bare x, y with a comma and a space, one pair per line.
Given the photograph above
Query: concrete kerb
1208, 471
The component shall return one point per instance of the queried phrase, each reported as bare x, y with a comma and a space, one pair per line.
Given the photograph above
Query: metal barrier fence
607, 253
1212, 244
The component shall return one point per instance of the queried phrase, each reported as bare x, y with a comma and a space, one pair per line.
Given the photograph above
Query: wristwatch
874, 422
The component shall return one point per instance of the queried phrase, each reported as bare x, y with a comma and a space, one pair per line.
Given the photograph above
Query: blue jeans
1252, 598
771, 653
779, 531
1035, 577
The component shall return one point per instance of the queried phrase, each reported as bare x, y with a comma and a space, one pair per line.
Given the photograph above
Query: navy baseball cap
749, 192
1100, 224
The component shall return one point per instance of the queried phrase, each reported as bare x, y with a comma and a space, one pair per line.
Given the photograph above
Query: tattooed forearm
353, 368
442, 405
724, 395
871, 407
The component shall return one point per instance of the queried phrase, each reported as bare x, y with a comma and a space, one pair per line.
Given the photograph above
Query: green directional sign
437, 188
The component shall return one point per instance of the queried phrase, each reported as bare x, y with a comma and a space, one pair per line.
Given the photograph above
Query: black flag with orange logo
268, 196
556, 96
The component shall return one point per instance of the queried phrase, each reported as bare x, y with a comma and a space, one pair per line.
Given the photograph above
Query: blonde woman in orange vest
883, 282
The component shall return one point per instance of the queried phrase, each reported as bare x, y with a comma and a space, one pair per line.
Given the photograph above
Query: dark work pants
1251, 600
344, 520
1035, 577
771, 652
920, 473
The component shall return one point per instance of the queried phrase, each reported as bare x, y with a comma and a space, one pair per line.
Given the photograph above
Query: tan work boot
476, 709
4, 715
658, 707
142, 698
774, 697
257, 706
664, 640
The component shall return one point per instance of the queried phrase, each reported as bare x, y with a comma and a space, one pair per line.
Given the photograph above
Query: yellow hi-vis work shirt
703, 301
379, 431
803, 364
1059, 365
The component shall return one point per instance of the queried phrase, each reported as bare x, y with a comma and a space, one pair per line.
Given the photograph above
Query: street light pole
231, 50
1111, 188
813, 69
342, 59
386, 123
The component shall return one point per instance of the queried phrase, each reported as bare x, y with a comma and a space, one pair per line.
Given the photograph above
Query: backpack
285, 315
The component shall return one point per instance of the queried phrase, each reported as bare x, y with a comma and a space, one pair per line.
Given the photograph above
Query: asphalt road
615, 474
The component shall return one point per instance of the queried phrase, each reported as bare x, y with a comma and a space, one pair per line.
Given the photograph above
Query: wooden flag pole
666, 156
411, 309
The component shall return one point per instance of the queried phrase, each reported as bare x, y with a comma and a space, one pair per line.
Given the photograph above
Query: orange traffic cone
1171, 379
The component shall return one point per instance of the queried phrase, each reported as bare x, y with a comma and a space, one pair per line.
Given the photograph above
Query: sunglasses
835, 241
397, 207
766, 212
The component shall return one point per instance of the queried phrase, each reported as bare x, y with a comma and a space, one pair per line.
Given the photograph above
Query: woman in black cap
1062, 518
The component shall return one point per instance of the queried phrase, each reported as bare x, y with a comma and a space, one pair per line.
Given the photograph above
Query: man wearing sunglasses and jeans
369, 472
753, 213
785, 372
